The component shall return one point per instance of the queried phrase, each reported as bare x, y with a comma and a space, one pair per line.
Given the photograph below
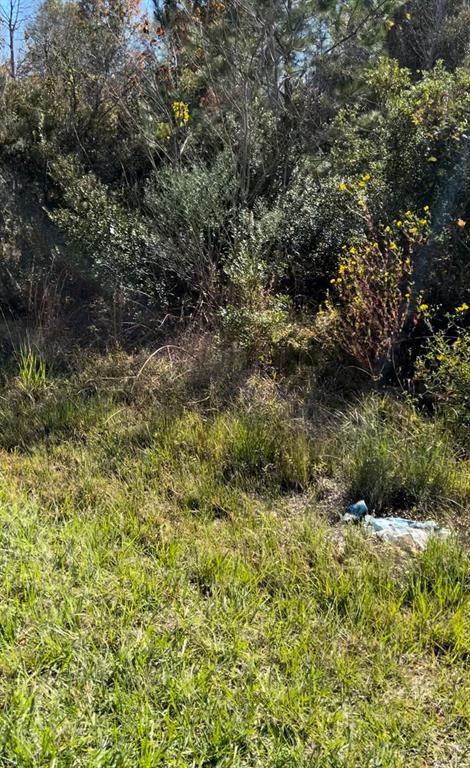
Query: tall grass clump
32, 374
396, 459
203, 459
37, 406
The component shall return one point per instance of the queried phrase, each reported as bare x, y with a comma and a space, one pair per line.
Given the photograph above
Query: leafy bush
112, 244
413, 139
313, 226
11, 263
256, 317
190, 210
31, 281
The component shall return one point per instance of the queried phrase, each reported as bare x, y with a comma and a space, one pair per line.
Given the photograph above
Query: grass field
175, 591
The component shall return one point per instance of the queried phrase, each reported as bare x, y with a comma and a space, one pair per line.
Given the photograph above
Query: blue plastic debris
359, 509
399, 530
411, 534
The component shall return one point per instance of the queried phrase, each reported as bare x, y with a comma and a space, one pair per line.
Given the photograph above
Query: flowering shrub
371, 295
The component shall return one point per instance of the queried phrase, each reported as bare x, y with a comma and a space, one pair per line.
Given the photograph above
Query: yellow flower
399, 223
352, 250
361, 203
426, 208
423, 221
463, 307
181, 112
393, 246
414, 231
362, 184
441, 358
366, 177
423, 307
408, 214
342, 187
387, 229
342, 269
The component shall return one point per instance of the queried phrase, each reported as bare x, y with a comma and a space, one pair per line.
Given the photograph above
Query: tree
12, 17
424, 31
262, 77
79, 56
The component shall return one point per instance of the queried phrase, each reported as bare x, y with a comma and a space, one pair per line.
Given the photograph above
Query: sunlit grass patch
171, 595
397, 459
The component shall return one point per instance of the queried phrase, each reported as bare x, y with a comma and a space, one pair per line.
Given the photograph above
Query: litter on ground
410, 534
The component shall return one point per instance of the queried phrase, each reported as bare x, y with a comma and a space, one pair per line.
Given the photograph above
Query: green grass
173, 596
398, 460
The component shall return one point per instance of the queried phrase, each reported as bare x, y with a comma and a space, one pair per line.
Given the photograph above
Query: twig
156, 352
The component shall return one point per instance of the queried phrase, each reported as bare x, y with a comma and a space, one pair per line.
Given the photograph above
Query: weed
32, 374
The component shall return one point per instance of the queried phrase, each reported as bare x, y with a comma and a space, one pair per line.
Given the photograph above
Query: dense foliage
219, 160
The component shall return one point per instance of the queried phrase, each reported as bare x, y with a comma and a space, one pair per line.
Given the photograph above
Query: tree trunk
11, 45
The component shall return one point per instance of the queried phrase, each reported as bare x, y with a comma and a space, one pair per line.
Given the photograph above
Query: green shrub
110, 243
444, 372
412, 140
189, 208
256, 317
313, 225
